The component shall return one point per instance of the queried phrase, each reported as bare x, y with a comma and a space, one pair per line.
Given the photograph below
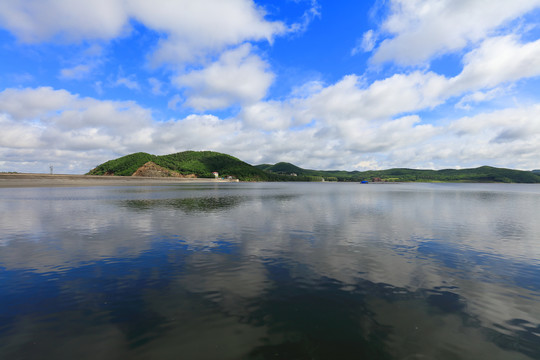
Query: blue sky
351, 85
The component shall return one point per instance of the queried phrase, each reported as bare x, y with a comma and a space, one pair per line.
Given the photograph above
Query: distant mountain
481, 174
203, 163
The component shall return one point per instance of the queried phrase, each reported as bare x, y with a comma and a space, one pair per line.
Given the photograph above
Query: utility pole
51, 168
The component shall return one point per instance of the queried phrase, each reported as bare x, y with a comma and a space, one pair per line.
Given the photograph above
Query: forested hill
480, 174
187, 163
203, 163
199, 164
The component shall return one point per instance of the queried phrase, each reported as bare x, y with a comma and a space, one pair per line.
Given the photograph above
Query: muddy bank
47, 180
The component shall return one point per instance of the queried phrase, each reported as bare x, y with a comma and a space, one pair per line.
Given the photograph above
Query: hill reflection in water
259, 271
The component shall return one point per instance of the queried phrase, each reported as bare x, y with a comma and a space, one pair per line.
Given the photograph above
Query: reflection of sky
468, 253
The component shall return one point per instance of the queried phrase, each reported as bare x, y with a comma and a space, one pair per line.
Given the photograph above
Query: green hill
481, 174
203, 163
199, 163
283, 168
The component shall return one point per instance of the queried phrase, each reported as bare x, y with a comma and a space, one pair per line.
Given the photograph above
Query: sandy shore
47, 180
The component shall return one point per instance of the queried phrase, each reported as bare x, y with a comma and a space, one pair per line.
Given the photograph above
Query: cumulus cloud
195, 28
420, 29
238, 76
505, 136
59, 120
267, 116
191, 29
77, 133
17, 135
68, 21
478, 96
348, 100
348, 123
350, 117
30, 104
496, 61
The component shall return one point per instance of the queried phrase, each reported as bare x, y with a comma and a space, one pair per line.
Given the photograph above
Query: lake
271, 271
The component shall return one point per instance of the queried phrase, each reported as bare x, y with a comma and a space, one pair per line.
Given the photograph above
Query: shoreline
17, 180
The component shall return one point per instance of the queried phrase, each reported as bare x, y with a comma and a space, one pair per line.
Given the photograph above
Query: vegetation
200, 163
203, 163
124, 166
481, 174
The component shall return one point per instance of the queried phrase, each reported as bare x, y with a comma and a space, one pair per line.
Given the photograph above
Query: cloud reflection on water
459, 263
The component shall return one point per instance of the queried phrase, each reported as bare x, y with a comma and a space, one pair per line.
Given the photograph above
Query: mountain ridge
202, 164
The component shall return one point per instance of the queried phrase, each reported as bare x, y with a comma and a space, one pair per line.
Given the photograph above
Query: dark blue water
271, 271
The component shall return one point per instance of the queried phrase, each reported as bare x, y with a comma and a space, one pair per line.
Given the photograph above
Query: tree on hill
123, 166
203, 163
200, 163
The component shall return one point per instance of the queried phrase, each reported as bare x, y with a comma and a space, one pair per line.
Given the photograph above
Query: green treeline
203, 163
481, 174
200, 163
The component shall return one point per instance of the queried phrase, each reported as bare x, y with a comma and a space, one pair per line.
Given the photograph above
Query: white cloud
237, 77
196, 28
30, 104
77, 72
130, 82
191, 29
56, 119
37, 21
504, 137
267, 116
369, 164
334, 126
313, 12
17, 135
45, 126
497, 61
367, 43
195, 132
477, 97
420, 29
348, 101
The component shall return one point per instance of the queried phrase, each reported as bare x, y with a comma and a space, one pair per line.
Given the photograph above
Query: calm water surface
271, 271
